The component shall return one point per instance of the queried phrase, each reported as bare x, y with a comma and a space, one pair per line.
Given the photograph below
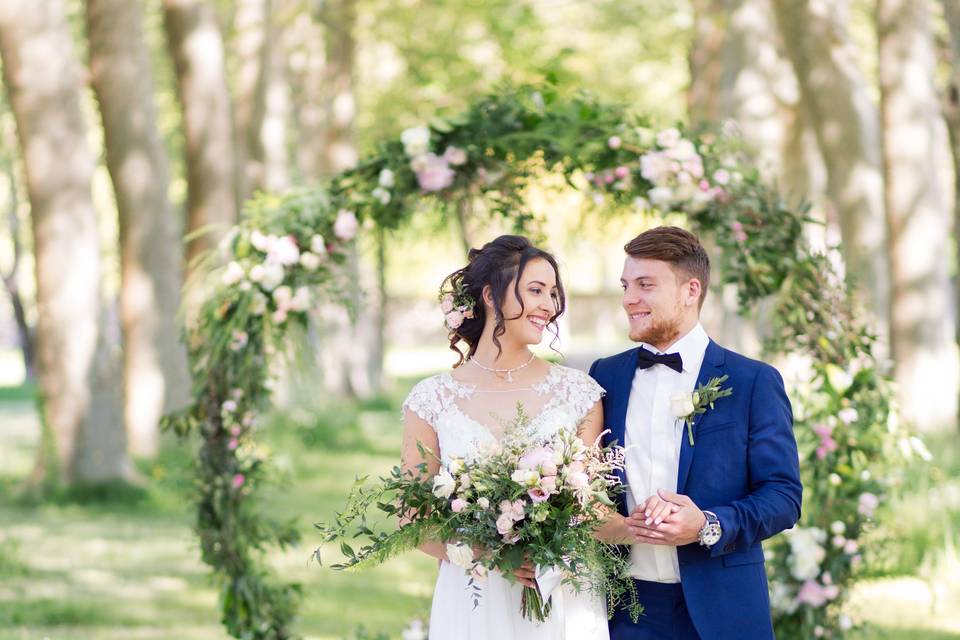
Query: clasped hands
666, 518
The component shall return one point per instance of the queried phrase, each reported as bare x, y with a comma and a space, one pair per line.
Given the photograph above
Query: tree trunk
951, 111
845, 123
738, 75
11, 279
251, 46
76, 369
914, 148
706, 62
196, 45
156, 378
352, 352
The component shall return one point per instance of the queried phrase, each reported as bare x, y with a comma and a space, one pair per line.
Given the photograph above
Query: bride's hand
526, 575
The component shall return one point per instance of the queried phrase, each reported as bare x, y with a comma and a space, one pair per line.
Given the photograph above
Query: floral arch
288, 252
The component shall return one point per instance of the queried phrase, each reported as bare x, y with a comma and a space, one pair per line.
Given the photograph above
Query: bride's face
541, 298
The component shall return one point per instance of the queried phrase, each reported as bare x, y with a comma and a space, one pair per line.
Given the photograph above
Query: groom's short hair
678, 247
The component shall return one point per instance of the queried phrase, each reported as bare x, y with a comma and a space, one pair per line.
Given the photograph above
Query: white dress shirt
653, 438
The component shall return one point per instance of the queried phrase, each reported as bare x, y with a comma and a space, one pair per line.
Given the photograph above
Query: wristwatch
710, 532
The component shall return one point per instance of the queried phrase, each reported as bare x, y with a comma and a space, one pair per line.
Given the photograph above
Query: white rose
282, 296
681, 404
456, 465
259, 240
838, 528
318, 245
444, 484
381, 194
527, 477
416, 140
301, 299
233, 273
484, 503
309, 261
386, 178
660, 196
345, 226
269, 275
668, 137
460, 555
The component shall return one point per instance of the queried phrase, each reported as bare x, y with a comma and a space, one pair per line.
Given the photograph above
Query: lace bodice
469, 420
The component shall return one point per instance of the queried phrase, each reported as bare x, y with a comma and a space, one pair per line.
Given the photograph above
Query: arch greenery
288, 251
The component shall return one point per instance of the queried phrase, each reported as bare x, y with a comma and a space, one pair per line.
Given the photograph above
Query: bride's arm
417, 430
614, 530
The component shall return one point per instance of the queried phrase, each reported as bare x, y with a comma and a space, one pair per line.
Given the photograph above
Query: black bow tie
647, 359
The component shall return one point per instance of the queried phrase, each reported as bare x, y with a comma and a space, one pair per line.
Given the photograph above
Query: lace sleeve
424, 401
581, 391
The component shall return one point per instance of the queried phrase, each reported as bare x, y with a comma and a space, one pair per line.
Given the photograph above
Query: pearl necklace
499, 372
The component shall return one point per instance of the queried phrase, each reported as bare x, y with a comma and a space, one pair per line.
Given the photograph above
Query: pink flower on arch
238, 480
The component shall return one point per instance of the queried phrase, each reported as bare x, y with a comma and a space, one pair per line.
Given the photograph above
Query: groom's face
653, 298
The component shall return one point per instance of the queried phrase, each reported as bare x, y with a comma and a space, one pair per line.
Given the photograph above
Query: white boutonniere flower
687, 406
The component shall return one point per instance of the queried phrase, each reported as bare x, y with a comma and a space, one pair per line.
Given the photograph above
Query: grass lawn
86, 567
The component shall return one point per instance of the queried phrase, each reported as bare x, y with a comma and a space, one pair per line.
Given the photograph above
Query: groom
694, 514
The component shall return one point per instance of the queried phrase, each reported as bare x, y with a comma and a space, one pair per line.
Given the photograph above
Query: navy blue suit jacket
743, 467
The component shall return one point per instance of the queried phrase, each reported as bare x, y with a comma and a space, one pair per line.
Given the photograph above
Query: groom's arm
774, 498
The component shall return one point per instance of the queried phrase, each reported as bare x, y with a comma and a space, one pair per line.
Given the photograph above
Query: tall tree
156, 378
914, 150
352, 351
258, 94
951, 104
11, 278
75, 366
196, 45
846, 125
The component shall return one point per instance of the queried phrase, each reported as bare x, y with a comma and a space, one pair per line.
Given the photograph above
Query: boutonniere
687, 406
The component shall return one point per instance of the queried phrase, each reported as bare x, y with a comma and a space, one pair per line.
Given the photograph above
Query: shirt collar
691, 347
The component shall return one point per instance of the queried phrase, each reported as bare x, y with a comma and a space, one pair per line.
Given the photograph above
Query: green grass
119, 563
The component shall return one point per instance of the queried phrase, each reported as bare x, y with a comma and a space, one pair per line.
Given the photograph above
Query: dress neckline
539, 386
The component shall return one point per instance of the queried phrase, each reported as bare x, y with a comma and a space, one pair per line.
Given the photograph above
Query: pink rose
233, 444
283, 251
812, 593
621, 172
455, 156
578, 480
458, 505
867, 504
738, 233
549, 484
454, 319
433, 172
346, 224
446, 303
504, 524
238, 481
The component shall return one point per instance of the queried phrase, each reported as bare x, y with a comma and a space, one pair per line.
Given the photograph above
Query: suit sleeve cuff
728, 526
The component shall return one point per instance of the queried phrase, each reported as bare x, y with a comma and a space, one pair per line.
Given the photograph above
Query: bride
509, 292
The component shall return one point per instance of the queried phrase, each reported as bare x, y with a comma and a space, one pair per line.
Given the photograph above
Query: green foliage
488, 154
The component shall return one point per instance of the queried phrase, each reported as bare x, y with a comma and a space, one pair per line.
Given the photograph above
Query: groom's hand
668, 519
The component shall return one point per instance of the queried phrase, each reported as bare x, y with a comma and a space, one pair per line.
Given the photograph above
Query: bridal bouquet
528, 499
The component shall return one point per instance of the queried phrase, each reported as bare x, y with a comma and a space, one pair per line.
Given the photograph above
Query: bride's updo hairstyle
497, 264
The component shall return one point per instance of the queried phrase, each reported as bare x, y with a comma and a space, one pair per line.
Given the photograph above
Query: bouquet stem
532, 605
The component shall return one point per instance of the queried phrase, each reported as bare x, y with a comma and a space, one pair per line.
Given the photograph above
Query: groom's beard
662, 332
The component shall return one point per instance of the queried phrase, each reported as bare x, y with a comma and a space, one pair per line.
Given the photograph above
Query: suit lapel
711, 368
619, 398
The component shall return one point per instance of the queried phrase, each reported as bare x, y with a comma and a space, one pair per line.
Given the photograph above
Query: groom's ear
695, 288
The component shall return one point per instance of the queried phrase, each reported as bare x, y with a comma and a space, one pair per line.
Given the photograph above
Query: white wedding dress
469, 419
